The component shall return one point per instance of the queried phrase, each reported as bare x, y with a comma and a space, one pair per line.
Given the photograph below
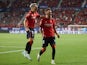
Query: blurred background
66, 12
71, 24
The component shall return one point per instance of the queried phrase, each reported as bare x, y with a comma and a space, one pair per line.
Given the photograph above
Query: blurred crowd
65, 11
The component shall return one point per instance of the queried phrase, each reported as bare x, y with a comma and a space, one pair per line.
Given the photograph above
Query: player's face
34, 8
49, 13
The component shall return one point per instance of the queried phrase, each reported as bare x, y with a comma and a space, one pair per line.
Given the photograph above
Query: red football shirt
30, 19
47, 26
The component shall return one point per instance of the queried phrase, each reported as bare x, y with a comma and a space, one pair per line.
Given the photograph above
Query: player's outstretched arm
25, 25
56, 32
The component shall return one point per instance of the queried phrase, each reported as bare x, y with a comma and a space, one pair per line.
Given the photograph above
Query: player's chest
48, 23
34, 15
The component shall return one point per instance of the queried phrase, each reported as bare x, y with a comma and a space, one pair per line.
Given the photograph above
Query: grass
70, 50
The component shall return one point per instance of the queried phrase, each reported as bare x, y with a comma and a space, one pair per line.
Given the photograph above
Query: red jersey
48, 27
30, 19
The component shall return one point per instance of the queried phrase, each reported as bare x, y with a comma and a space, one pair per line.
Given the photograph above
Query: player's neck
47, 16
33, 11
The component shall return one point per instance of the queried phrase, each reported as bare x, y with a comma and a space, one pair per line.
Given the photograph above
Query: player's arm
25, 25
40, 16
41, 27
56, 31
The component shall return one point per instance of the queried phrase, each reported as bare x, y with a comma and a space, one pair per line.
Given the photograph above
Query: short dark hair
47, 9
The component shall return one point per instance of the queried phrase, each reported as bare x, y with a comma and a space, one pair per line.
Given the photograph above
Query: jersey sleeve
54, 22
38, 15
41, 23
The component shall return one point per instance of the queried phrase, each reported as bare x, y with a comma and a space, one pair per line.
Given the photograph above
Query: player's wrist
27, 31
58, 36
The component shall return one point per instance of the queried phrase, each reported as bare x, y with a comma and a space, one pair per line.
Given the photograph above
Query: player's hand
27, 29
58, 35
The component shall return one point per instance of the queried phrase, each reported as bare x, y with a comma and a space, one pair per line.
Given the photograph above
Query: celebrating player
29, 24
48, 32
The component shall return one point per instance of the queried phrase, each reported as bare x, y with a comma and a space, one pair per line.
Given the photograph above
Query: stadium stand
64, 17
11, 19
71, 3
81, 17
4, 4
49, 3
69, 12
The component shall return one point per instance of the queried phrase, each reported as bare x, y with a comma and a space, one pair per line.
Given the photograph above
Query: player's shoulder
28, 13
53, 19
44, 18
36, 12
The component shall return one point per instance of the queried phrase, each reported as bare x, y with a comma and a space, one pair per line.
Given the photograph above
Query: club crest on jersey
50, 21
46, 22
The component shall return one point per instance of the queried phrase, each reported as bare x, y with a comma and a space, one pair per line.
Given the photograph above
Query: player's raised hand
27, 29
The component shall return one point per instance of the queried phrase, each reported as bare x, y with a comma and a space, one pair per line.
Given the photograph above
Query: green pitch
70, 50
